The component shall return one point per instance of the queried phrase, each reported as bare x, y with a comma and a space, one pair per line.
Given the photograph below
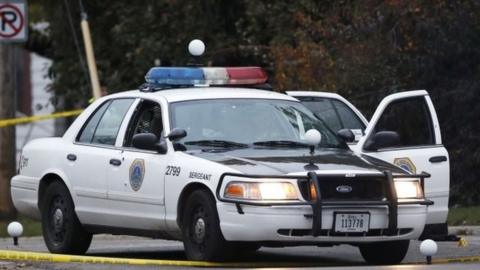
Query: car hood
267, 161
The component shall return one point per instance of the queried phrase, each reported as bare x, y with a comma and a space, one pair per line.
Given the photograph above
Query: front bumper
313, 221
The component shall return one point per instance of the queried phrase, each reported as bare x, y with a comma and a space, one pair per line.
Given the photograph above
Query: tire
384, 253
62, 231
202, 237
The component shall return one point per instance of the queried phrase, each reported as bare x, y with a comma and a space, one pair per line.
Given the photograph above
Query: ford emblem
344, 189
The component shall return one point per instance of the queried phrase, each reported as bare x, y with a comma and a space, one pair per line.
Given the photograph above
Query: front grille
327, 232
361, 188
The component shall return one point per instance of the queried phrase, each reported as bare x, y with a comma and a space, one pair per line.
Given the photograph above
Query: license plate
352, 222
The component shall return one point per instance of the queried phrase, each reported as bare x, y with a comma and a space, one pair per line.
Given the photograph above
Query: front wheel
202, 237
61, 228
384, 253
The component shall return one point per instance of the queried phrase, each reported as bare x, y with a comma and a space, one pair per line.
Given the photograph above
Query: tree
360, 49
367, 49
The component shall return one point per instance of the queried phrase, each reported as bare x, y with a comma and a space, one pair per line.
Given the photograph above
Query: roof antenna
196, 48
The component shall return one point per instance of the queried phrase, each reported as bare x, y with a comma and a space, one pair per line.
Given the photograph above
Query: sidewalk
464, 230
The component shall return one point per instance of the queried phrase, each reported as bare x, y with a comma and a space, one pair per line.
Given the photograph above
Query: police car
412, 115
199, 155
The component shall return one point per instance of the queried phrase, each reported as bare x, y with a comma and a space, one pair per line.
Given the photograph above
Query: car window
336, 114
147, 119
348, 117
107, 129
248, 121
323, 108
411, 119
103, 125
86, 134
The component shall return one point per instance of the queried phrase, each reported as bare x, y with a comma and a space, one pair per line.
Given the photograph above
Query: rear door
412, 115
88, 159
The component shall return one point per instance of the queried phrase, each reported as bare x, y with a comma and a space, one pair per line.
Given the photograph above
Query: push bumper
313, 220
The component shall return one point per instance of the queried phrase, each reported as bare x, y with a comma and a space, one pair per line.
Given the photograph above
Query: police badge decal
406, 164
137, 171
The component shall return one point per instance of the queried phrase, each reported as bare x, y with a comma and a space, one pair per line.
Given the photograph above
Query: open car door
418, 148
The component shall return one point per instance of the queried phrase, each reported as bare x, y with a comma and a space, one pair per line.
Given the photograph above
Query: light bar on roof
206, 76
215, 75
246, 75
174, 76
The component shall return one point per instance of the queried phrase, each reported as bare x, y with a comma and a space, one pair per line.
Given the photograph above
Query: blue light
175, 76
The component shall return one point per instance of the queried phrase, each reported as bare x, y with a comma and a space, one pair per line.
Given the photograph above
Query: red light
246, 75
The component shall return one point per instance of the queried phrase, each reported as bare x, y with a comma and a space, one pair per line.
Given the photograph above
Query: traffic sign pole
13, 28
7, 135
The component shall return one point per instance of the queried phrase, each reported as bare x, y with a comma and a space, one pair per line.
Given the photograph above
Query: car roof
313, 94
196, 93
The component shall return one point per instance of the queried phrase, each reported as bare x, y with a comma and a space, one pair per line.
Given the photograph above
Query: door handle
115, 162
437, 159
71, 157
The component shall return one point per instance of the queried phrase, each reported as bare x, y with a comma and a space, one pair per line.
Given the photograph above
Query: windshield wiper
217, 143
281, 143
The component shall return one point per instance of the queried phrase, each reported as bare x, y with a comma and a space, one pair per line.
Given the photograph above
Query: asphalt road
343, 256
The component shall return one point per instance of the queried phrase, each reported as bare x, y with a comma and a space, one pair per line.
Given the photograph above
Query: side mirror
177, 134
382, 139
346, 135
149, 141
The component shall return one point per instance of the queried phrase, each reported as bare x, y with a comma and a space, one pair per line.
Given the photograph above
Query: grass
469, 216
30, 227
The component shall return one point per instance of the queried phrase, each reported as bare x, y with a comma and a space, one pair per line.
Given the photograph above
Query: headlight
260, 191
408, 189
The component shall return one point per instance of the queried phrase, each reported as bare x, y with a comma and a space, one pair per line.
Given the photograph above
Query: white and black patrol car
198, 156
412, 115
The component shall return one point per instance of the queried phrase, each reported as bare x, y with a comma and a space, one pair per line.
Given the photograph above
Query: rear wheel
61, 228
202, 237
384, 253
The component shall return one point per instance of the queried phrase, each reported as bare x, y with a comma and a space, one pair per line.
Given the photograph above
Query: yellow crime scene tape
60, 258
457, 260
34, 118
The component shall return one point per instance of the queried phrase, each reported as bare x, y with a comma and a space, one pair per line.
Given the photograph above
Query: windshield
244, 122
334, 112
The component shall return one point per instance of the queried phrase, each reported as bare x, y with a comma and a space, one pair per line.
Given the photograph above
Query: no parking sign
13, 21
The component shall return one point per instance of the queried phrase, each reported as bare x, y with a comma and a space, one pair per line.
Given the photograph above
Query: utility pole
7, 134
92, 64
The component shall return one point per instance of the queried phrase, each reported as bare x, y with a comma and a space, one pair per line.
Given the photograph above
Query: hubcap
58, 219
199, 230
